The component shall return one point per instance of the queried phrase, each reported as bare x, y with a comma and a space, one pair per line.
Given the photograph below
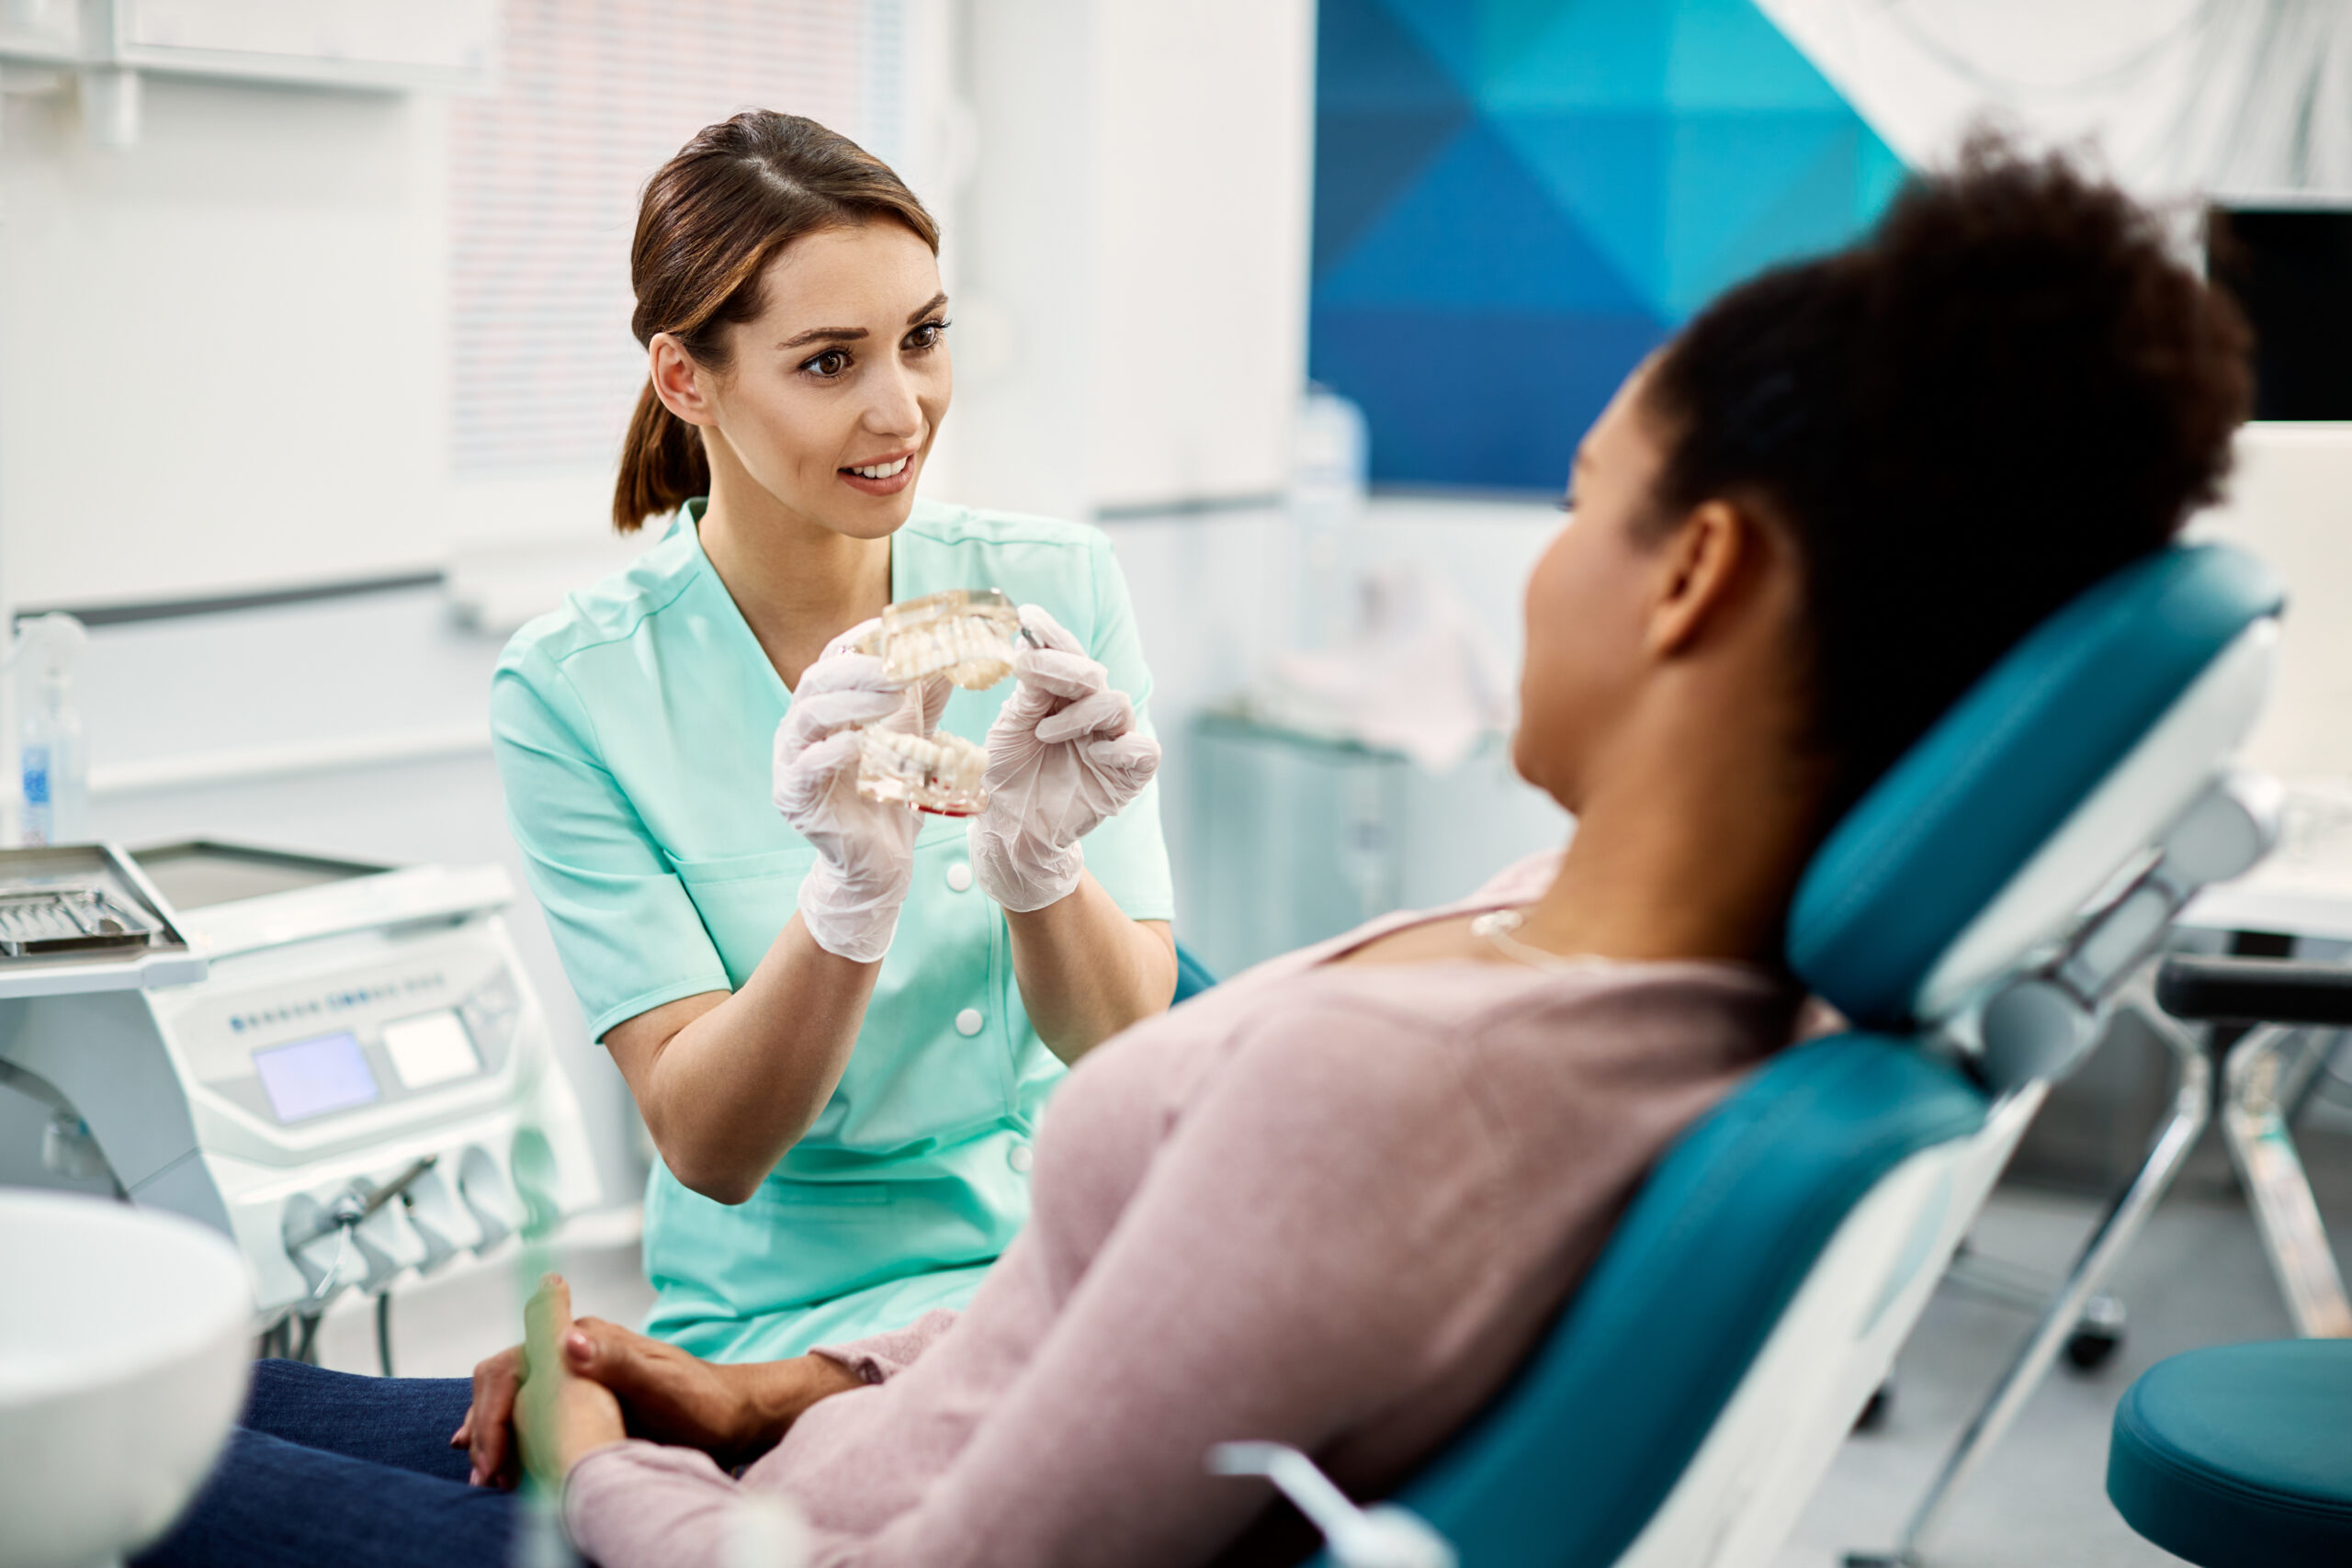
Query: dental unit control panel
342, 1065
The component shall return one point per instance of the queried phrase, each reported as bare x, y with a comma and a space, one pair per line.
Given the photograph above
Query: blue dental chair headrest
1991, 831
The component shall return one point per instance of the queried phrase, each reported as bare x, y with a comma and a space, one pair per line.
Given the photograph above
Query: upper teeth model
939, 771
883, 470
968, 635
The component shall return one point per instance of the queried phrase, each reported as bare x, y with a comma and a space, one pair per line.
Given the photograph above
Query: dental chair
1970, 917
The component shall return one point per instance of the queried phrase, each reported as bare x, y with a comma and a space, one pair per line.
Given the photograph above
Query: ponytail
710, 221
662, 465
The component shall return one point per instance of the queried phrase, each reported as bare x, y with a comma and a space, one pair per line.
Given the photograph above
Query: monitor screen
433, 1048
2290, 268
312, 1078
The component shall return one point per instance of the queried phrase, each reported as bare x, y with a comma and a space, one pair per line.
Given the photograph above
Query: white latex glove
1063, 755
866, 849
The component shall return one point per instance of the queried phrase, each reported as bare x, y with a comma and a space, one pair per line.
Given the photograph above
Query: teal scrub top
634, 731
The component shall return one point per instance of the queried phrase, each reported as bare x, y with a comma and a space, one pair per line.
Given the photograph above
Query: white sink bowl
124, 1350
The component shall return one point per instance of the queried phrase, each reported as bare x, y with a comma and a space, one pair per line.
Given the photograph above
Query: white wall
1131, 265
2290, 503
222, 351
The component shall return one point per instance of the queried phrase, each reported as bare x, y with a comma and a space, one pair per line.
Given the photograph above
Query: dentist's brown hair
706, 228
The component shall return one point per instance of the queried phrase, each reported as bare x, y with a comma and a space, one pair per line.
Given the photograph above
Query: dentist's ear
1703, 567
678, 381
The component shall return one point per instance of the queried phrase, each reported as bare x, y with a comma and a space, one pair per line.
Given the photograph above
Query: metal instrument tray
85, 917
35, 920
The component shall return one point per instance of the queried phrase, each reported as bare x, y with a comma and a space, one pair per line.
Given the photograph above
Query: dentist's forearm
727, 1083
1087, 971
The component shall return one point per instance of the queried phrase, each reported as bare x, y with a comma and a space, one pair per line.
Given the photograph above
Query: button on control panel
335, 1001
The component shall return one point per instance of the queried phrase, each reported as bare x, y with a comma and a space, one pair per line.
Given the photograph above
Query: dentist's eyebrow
851, 335
824, 334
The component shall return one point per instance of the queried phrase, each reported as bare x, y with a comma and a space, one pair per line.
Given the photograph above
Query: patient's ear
1703, 568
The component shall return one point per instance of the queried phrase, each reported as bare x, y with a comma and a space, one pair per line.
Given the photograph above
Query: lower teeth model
968, 635
938, 771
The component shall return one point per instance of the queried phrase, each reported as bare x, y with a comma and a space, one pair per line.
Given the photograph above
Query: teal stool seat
2239, 1454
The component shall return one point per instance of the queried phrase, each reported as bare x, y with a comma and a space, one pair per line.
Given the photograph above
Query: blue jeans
330, 1468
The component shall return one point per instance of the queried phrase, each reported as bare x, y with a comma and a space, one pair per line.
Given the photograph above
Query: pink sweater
1325, 1206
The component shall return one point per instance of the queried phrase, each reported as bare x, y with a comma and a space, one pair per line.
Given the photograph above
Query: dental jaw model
938, 772
969, 637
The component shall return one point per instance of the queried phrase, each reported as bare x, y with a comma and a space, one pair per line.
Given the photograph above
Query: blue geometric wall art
1517, 199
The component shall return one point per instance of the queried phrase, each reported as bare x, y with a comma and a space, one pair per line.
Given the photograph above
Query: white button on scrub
1020, 1157
968, 1023
959, 876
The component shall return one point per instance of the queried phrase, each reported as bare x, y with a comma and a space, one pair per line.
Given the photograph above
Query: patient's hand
732, 1413
560, 1417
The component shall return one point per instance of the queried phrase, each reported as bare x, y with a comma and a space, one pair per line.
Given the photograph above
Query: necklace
1495, 928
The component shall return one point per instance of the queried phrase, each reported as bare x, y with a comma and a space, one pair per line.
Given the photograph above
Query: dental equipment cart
341, 1066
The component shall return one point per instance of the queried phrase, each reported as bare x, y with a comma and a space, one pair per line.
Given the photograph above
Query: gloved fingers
1128, 761
1013, 751
907, 716
835, 754
1107, 714
932, 695
841, 669
1039, 623
815, 715
847, 642
1022, 711
802, 782
1062, 674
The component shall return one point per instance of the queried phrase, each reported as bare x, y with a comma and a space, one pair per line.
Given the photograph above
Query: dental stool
2240, 1456
1970, 916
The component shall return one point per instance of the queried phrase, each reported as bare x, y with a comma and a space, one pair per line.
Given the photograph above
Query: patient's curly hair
2008, 390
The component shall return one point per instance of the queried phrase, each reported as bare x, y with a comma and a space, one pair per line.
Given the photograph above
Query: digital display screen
312, 1078
433, 1048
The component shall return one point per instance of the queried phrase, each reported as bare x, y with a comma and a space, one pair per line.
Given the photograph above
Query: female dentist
840, 1019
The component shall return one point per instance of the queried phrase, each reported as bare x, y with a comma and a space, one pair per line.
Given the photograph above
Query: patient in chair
1334, 1202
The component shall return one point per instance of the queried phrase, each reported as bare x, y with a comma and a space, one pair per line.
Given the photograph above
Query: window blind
594, 95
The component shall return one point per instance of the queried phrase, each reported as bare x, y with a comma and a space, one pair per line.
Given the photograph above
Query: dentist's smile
887, 476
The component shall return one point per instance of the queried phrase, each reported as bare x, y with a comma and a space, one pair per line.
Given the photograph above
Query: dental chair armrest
2255, 990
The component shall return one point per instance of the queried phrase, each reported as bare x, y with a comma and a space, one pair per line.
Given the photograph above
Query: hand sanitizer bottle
53, 756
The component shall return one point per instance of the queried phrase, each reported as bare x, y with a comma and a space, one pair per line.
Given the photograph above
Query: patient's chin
1528, 765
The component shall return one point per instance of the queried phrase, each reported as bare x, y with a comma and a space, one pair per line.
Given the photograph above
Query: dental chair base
2234, 1456
2261, 1072
2280, 1004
